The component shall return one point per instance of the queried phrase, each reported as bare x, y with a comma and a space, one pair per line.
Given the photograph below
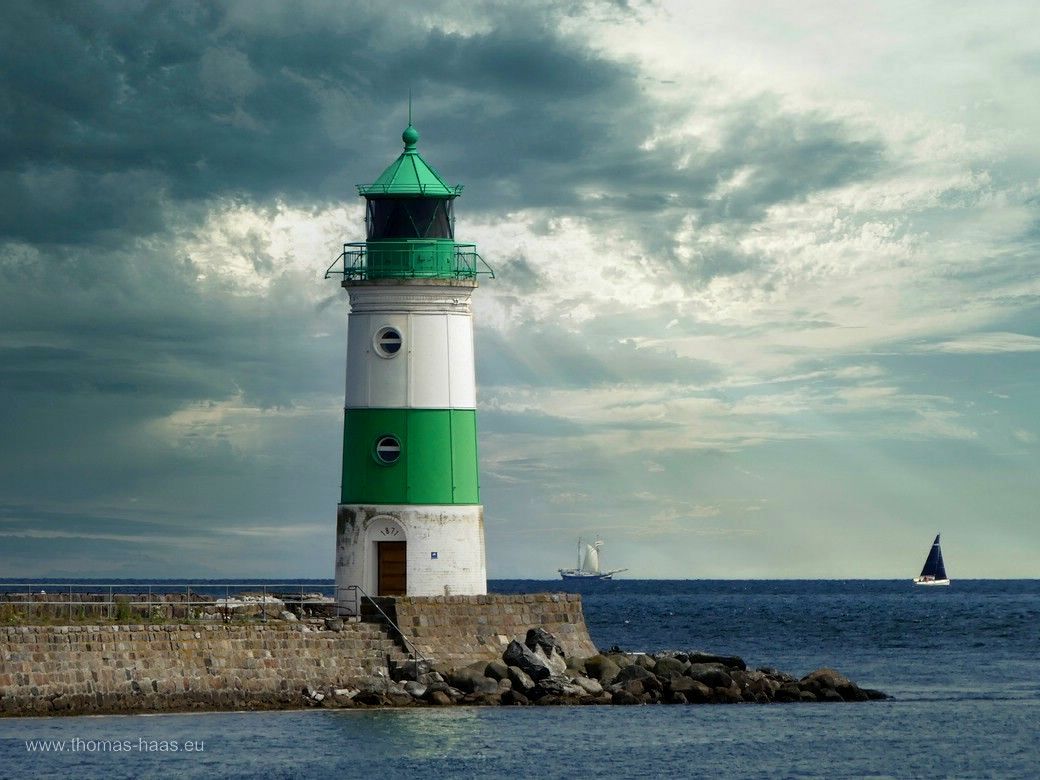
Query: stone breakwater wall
140, 668
150, 668
460, 630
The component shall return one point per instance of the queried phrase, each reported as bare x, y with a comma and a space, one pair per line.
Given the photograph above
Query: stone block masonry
455, 631
139, 668
142, 668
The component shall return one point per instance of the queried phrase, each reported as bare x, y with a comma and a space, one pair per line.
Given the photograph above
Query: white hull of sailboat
578, 574
572, 574
919, 581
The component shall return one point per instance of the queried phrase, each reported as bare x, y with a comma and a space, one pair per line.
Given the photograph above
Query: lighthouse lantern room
410, 520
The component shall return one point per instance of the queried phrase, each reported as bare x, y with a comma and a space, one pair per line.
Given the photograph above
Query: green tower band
436, 462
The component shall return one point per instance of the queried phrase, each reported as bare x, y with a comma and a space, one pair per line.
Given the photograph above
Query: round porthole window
388, 449
388, 342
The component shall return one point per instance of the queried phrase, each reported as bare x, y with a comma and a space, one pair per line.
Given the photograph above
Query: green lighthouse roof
410, 174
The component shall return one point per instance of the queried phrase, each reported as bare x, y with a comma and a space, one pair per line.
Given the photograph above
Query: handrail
447, 190
163, 583
102, 597
357, 589
406, 259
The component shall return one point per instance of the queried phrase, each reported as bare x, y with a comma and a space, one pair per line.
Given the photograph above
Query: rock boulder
602, 668
539, 637
532, 664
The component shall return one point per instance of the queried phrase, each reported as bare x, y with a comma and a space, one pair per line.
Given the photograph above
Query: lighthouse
409, 520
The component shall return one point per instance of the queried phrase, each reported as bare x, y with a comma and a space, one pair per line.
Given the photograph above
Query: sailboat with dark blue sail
934, 571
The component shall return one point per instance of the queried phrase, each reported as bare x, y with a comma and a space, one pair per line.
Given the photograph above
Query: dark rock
471, 681
371, 699
539, 637
557, 663
831, 686
678, 697
694, 669
730, 695
742, 679
414, 689
430, 677
874, 695
520, 679
551, 700
651, 683
591, 687
852, 692
691, 690
439, 698
534, 666
620, 659
409, 670
557, 685
623, 697
602, 668
788, 692
642, 659
754, 683
807, 696
497, 670
712, 677
634, 687
825, 678
334, 624
482, 699
515, 697
729, 661
633, 672
669, 667
577, 666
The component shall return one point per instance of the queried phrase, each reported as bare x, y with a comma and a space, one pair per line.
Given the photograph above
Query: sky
766, 305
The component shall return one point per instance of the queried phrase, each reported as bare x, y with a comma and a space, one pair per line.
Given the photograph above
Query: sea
961, 664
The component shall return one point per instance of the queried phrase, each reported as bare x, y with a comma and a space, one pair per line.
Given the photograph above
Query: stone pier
155, 668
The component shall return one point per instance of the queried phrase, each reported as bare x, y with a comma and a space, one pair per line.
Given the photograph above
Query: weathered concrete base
444, 548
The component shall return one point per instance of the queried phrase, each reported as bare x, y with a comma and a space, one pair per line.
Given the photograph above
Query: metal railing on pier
138, 602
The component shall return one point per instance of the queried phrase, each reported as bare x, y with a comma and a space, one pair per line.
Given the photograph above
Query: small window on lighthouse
388, 449
388, 342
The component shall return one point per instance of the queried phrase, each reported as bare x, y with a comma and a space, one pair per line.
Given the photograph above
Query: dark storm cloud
111, 109
136, 320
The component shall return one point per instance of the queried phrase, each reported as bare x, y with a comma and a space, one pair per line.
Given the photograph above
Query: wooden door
392, 574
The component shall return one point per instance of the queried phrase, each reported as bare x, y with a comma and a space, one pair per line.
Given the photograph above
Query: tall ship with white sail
934, 571
589, 564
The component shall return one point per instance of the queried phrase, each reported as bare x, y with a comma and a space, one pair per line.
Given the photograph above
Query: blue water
961, 662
